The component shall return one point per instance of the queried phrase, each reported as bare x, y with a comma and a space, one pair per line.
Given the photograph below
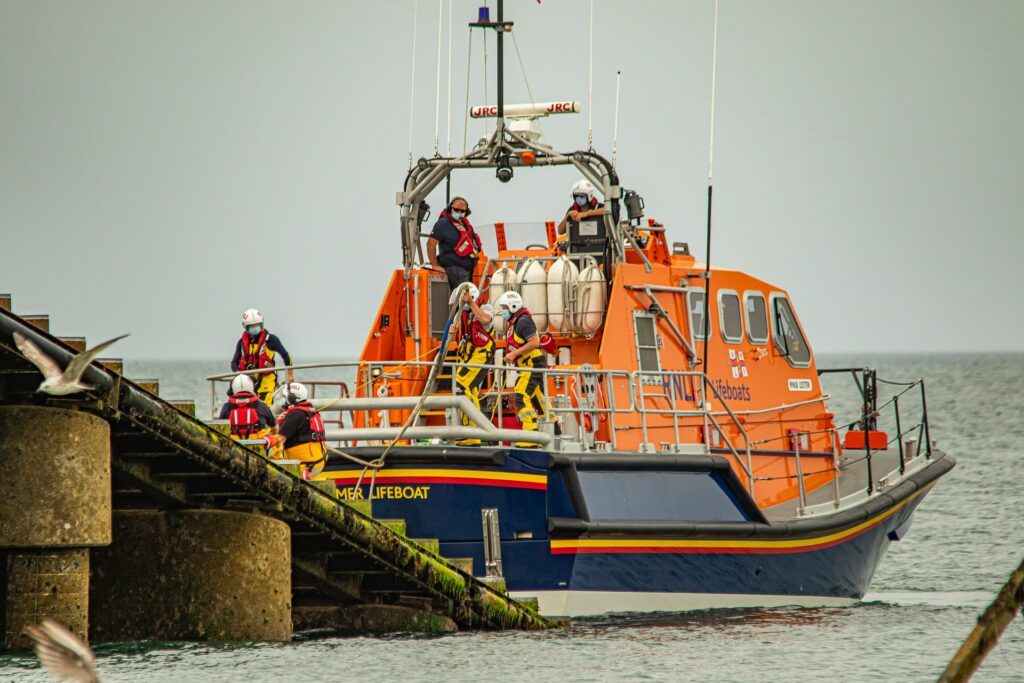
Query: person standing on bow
459, 244
256, 350
523, 349
476, 348
302, 429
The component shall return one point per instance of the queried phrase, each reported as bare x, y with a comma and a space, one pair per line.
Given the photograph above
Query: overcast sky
166, 165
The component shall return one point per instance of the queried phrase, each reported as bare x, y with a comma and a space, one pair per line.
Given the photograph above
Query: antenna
437, 85
590, 83
615, 130
448, 135
412, 85
711, 158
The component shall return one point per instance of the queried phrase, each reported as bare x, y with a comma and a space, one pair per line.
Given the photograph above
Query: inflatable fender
533, 287
590, 299
562, 278
502, 280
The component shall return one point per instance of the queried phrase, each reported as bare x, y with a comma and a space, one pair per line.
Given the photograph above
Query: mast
501, 67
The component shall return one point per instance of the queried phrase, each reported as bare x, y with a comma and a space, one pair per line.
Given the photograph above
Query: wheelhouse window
757, 318
645, 328
729, 318
788, 336
695, 303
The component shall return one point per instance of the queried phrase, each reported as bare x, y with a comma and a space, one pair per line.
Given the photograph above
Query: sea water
967, 537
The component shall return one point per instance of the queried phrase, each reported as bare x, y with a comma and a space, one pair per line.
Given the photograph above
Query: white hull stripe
594, 603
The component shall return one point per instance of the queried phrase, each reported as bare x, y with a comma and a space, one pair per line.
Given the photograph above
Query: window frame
647, 315
755, 293
694, 338
722, 293
772, 301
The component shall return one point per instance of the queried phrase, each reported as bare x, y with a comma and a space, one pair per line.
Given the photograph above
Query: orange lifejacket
513, 340
255, 354
243, 418
474, 331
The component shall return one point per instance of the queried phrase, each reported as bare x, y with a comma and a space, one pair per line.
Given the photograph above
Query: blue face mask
581, 201
465, 307
505, 314
254, 330
458, 215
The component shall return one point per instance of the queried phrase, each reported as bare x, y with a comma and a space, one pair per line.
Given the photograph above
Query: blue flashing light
484, 15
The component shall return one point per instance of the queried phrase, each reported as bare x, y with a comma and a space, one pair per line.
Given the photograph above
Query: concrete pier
193, 575
55, 503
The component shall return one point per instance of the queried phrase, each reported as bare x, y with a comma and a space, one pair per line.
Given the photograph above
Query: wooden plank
77, 343
40, 322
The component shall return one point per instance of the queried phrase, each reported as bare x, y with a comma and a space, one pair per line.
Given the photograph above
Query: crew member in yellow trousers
522, 347
303, 431
476, 348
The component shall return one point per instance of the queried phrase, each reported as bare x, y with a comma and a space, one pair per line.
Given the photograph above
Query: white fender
562, 278
533, 287
590, 299
503, 279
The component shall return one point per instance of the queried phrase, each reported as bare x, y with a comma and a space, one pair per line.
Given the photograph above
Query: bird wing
77, 366
46, 365
63, 653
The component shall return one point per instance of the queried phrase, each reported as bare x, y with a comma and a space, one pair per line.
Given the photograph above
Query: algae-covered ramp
164, 459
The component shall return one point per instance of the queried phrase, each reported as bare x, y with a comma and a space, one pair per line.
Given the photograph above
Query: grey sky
186, 160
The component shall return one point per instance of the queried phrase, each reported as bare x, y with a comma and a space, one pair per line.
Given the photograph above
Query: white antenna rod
484, 34
590, 84
469, 72
448, 135
412, 85
615, 131
437, 85
714, 68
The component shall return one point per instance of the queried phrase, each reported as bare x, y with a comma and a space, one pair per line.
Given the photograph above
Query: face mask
505, 314
457, 215
581, 201
254, 330
465, 307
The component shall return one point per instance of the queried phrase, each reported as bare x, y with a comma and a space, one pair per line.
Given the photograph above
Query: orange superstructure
648, 357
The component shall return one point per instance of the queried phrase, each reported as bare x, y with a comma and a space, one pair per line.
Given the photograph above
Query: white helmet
241, 383
457, 294
251, 318
295, 393
583, 187
510, 300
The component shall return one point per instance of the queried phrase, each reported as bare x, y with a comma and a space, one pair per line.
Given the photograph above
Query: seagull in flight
57, 382
62, 653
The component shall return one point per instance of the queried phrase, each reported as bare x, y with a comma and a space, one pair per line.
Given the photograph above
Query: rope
448, 135
522, 68
590, 84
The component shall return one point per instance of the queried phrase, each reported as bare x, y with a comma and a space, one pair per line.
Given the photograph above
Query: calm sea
967, 537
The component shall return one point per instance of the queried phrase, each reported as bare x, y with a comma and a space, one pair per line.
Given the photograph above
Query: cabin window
645, 327
695, 302
788, 336
757, 318
729, 317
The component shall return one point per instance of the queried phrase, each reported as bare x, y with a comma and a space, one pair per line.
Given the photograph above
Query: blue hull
602, 533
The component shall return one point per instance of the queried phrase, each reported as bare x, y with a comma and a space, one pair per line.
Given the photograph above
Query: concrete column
50, 583
193, 575
54, 504
55, 488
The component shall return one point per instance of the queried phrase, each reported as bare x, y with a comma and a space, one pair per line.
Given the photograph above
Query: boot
528, 417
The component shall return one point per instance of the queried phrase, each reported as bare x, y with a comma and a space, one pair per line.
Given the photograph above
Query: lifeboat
691, 460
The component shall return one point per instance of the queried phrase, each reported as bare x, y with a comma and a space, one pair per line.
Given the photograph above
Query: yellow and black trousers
531, 406
471, 377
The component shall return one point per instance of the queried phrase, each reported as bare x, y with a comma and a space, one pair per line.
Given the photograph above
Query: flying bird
55, 381
62, 653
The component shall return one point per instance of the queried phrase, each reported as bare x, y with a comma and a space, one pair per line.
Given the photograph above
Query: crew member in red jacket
459, 243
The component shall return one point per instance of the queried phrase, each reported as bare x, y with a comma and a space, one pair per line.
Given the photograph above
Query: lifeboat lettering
730, 392
387, 493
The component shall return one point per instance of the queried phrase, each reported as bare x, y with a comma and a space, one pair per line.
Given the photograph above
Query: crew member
248, 416
476, 348
302, 430
522, 347
459, 243
256, 350
584, 205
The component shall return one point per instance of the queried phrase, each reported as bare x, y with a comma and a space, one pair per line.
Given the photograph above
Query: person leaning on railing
476, 348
